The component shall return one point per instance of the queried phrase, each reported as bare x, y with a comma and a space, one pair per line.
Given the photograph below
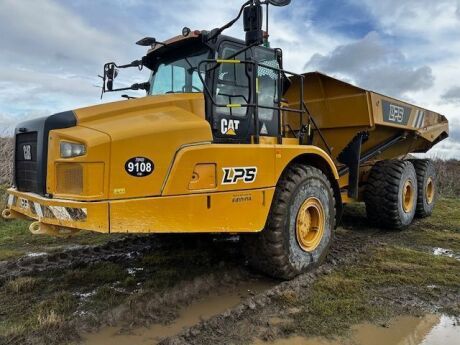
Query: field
57, 291
91, 286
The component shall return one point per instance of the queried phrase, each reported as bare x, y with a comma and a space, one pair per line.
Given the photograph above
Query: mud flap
351, 156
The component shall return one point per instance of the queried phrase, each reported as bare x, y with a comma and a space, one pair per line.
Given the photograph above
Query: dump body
341, 111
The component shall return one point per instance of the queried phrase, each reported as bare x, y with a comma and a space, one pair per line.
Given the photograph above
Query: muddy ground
57, 291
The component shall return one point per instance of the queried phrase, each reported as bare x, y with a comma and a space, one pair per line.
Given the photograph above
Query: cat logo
234, 175
229, 127
27, 152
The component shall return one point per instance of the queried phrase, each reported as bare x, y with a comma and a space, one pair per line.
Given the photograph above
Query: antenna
278, 3
266, 36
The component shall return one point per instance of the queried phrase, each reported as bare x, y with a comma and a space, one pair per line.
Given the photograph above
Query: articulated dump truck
227, 141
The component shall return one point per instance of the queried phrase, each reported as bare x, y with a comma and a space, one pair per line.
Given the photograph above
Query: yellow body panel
154, 127
286, 153
342, 110
95, 163
237, 207
224, 156
237, 211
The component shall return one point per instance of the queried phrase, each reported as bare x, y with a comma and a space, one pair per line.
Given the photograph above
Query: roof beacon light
186, 31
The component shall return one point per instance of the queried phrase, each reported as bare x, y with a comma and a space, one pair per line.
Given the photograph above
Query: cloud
53, 50
51, 60
446, 149
452, 95
455, 134
375, 64
50, 34
52, 54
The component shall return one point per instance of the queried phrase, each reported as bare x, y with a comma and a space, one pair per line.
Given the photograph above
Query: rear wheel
426, 183
391, 194
298, 231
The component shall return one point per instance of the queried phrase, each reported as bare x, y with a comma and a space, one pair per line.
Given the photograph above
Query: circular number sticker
139, 166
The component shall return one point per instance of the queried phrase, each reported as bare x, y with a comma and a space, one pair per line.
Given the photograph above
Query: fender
286, 154
315, 156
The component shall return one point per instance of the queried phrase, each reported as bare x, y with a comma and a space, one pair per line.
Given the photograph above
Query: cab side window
268, 82
232, 83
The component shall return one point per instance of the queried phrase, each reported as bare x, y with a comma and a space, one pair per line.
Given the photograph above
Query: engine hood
153, 128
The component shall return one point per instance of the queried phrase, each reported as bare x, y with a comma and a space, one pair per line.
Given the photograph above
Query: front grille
26, 162
69, 178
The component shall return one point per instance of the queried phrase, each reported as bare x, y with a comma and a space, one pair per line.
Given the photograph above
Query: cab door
231, 122
268, 90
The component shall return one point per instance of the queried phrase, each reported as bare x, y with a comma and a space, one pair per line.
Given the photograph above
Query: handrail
317, 129
303, 109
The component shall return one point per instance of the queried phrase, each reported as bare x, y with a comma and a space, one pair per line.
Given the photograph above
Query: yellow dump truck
227, 141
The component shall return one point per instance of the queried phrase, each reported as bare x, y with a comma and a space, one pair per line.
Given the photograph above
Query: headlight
69, 150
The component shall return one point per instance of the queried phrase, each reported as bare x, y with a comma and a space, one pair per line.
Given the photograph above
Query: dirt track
115, 251
150, 280
253, 316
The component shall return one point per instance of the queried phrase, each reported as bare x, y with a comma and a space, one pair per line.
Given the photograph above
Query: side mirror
252, 19
110, 74
279, 2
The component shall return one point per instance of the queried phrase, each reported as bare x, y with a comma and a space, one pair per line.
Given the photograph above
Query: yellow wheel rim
408, 196
429, 190
310, 224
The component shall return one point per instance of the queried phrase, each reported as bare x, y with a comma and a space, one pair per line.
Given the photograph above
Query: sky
52, 51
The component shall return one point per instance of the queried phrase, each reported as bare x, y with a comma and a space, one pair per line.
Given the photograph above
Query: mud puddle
213, 304
405, 330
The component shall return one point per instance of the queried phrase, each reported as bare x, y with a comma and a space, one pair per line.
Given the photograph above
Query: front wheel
298, 231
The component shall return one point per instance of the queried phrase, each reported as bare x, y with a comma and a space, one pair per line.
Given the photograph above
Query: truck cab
228, 73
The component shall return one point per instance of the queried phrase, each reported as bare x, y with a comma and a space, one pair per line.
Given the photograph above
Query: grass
16, 239
446, 216
168, 269
400, 269
21, 285
100, 273
44, 309
361, 293
49, 308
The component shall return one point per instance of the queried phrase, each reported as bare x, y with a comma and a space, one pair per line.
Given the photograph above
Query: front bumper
58, 212
230, 212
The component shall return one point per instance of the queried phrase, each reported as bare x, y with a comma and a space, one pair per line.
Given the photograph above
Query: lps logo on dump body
234, 175
395, 113
229, 127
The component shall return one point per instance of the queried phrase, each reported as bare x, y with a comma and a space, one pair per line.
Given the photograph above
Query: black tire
426, 198
383, 194
276, 250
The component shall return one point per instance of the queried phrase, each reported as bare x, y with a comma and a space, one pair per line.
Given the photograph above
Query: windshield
177, 71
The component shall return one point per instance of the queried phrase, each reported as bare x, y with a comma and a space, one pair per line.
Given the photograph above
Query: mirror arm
135, 63
141, 86
229, 24
136, 86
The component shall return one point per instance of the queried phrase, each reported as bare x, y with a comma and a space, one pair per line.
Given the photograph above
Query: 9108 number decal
139, 166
